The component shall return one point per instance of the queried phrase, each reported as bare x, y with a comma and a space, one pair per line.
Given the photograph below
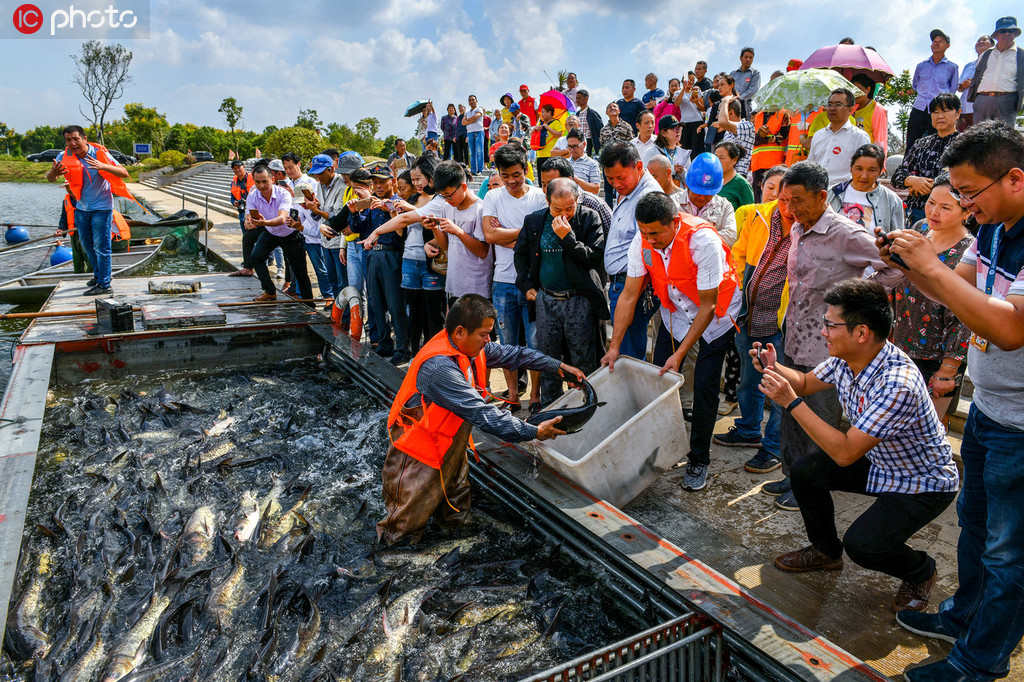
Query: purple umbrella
850, 60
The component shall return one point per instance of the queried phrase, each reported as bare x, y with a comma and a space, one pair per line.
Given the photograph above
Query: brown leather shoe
914, 596
265, 297
807, 559
244, 272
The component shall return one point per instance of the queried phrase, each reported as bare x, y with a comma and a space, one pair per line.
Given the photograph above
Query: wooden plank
803, 650
21, 418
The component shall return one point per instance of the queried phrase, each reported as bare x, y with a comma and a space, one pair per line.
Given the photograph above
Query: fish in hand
573, 418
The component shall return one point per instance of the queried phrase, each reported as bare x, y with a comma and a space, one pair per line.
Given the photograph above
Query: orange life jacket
795, 150
773, 153
119, 228
73, 172
236, 187
682, 271
428, 438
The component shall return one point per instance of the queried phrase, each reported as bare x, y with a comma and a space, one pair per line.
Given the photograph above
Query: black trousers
462, 149
249, 238
795, 443
877, 540
294, 248
707, 376
919, 125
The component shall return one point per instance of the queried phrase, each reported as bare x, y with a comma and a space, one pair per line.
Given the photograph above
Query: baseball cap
938, 32
524, 86
668, 122
380, 172
276, 165
360, 176
349, 162
320, 163
584, 92
236, 163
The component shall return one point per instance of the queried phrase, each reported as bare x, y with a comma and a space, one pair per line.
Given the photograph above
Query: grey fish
23, 623
573, 418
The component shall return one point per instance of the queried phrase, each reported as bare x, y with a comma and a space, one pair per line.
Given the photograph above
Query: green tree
414, 146
179, 136
387, 146
898, 91
232, 111
101, 74
145, 124
41, 138
302, 141
11, 141
308, 118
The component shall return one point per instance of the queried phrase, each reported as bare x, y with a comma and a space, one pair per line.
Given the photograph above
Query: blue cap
320, 163
1006, 24
704, 176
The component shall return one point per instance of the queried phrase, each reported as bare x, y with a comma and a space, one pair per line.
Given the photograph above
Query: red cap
524, 86
794, 64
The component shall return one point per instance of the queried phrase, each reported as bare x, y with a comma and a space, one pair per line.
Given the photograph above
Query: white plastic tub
630, 441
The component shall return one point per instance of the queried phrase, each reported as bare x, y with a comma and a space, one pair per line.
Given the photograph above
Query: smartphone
294, 213
254, 214
898, 260
360, 204
309, 195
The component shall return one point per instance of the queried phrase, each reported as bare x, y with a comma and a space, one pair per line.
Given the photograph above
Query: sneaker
806, 560
696, 477
688, 414
913, 596
90, 283
734, 439
787, 501
775, 488
762, 463
727, 407
97, 290
940, 671
400, 358
927, 625
262, 298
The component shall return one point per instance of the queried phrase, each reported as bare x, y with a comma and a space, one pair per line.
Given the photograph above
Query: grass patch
27, 171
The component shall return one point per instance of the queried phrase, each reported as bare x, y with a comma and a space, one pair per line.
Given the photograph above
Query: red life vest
119, 228
682, 271
73, 172
427, 439
237, 191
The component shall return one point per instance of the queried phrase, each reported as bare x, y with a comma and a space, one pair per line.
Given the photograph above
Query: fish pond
221, 526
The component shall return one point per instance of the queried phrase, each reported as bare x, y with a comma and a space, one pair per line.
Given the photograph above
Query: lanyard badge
990, 280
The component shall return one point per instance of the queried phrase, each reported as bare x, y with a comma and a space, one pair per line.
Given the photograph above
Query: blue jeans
335, 270
751, 399
513, 314
317, 256
634, 343
355, 270
278, 258
416, 274
988, 606
94, 233
476, 151
384, 297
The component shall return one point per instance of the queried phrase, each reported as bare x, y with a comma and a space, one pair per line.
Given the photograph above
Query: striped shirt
889, 400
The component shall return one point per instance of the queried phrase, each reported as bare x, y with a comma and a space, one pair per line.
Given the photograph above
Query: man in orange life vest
93, 177
691, 271
442, 397
241, 184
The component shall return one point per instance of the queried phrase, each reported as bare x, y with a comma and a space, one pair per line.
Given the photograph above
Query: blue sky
350, 59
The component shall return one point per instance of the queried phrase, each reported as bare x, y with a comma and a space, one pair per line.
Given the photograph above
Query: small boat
148, 229
33, 288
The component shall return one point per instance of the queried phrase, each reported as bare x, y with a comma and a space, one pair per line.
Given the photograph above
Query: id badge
979, 343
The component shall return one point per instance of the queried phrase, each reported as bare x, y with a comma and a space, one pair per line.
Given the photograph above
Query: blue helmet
704, 176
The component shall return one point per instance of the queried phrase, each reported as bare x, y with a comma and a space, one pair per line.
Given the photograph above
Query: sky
349, 60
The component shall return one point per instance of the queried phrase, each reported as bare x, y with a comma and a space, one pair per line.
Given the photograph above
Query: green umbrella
800, 90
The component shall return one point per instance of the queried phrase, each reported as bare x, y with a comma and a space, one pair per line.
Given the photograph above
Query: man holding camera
269, 207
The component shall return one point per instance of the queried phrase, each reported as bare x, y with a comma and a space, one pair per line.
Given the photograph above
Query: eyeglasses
836, 105
830, 325
574, 146
449, 195
970, 198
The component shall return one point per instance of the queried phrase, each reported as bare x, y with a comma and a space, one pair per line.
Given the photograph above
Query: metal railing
685, 649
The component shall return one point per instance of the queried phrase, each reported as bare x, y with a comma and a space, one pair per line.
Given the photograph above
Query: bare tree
102, 73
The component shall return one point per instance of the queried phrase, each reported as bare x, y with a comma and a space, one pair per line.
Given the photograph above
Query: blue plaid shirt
889, 400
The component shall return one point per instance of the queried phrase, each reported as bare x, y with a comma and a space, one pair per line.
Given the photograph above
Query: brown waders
413, 491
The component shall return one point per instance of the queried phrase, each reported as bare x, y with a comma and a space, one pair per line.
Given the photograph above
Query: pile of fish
221, 526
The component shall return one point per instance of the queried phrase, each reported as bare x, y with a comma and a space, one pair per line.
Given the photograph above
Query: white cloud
402, 11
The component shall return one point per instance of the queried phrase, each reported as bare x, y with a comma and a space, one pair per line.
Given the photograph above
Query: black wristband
792, 405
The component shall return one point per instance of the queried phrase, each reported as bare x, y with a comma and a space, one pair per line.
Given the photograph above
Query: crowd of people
776, 264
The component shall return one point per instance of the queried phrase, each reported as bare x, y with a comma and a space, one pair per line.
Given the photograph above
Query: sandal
534, 407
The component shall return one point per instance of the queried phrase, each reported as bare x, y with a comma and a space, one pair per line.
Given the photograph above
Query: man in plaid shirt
895, 450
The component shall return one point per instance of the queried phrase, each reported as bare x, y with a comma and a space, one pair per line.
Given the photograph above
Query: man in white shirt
833, 146
504, 210
645, 140
308, 223
474, 122
997, 89
700, 298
